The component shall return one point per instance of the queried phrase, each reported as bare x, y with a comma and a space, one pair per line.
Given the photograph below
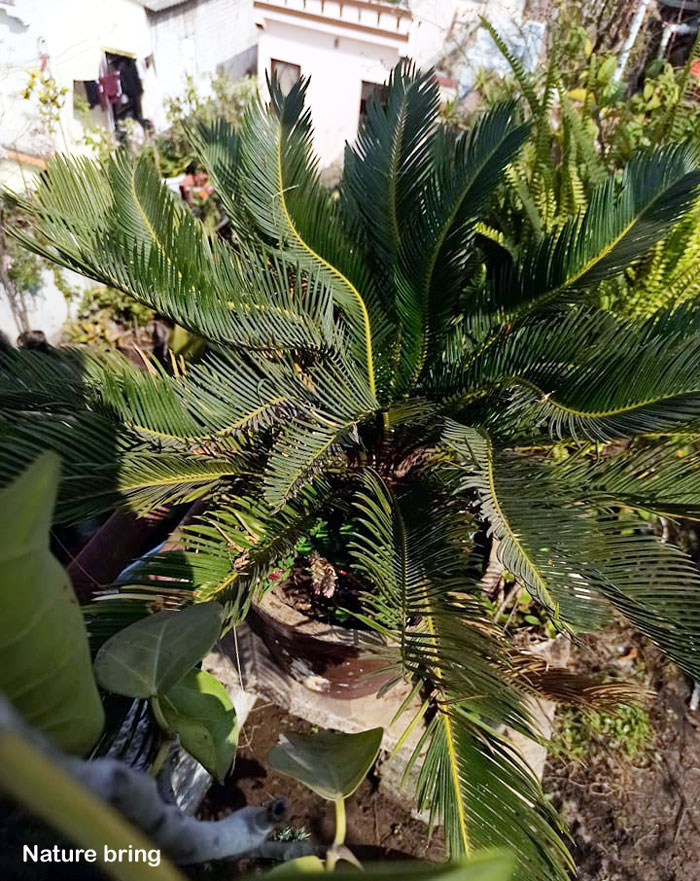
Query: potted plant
371, 355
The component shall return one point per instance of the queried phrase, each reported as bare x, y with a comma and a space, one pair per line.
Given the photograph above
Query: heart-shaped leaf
45, 665
148, 657
199, 710
332, 765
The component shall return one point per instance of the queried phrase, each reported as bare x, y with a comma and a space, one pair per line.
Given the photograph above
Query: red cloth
110, 89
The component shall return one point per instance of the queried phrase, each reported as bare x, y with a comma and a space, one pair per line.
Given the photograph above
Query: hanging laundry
110, 89
130, 80
131, 86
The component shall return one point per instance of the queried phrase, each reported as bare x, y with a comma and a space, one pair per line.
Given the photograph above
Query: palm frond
392, 159
218, 146
499, 797
623, 219
524, 512
663, 479
421, 596
137, 237
599, 555
596, 377
310, 439
283, 194
468, 170
225, 553
639, 384
524, 79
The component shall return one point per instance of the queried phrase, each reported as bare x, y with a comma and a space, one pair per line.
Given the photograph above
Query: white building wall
337, 66
69, 37
198, 38
340, 45
431, 28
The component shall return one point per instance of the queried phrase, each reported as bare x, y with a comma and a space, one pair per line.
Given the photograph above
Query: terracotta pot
121, 539
325, 658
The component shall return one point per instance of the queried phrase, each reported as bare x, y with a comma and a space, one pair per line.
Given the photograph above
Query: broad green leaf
607, 69
332, 765
148, 657
199, 710
45, 667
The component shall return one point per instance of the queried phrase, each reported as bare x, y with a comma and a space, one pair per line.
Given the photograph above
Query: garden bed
384, 827
637, 817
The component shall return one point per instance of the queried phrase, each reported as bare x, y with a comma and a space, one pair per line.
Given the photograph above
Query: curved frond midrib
505, 525
367, 328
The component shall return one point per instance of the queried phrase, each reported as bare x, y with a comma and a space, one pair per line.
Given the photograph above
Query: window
287, 74
369, 91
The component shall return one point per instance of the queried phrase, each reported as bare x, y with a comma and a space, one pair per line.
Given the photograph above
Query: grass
580, 735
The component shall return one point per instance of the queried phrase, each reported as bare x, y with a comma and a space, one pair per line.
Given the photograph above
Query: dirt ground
378, 827
629, 822
636, 821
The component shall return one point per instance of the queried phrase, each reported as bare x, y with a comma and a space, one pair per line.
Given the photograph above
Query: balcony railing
378, 18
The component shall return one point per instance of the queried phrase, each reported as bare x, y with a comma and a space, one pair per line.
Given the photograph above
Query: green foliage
49, 98
150, 656
419, 356
20, 270
199, 711
226, 99
490, 866
291, 833
332, 765
585, 126
154, 658
24, 269
102, 316
48, 679
580, 733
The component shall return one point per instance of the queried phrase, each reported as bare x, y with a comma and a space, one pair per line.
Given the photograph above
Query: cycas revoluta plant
368, 356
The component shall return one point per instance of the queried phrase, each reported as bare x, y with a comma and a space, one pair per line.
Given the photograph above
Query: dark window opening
122, 88
370, 91
287, 74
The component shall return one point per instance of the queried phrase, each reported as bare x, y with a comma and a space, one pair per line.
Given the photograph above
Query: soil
629, 821
636, 821
378, 827
332, 597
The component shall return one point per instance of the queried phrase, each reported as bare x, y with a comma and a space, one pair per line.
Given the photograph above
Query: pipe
637, 21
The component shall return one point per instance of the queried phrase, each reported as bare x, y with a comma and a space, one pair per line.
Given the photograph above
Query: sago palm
369, 359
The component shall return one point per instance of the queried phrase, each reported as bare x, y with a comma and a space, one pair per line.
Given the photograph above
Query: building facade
77, 51
200, 38
349, 47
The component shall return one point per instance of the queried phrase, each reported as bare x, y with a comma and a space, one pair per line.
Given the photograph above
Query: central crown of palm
369, 353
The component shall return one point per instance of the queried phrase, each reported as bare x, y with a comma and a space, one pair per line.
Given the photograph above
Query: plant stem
165, 747
340, 822
161, 756
158, 715
334, 851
